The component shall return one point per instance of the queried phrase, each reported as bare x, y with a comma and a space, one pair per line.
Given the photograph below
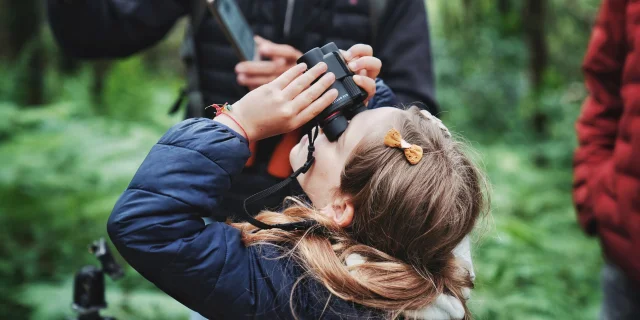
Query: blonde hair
407, 221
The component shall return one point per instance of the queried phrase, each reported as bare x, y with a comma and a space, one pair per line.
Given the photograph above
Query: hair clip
437, 121
412, 152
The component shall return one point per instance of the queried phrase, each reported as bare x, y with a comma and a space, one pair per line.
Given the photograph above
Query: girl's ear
342, 212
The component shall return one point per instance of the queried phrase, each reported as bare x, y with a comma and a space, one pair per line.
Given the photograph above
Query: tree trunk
24, 21
67, 64
35, 75
4, 29
467, 10
534, 22
504, 7
100, 71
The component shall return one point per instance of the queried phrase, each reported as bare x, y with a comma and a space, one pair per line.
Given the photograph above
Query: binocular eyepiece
350, 101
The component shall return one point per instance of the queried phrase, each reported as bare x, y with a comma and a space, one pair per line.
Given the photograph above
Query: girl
390, 200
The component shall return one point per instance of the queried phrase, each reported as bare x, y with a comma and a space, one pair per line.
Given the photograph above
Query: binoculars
350, 101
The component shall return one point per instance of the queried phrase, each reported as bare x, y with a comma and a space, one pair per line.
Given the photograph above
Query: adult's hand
256, 73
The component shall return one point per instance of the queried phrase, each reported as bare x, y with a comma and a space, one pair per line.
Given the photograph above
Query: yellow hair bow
412, 152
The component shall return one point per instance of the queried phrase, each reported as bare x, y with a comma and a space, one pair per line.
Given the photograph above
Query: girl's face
323, 178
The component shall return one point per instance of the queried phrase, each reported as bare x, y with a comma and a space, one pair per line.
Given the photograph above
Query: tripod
88, 285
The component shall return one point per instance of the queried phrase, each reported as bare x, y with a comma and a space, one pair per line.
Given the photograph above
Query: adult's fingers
285, 79
367, 84
308, 96
371, 64
254, 81
304, 81
314, 109
260, 67
260, 40
270, 49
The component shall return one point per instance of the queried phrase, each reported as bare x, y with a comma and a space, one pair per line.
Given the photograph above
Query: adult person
607, 161
397, 31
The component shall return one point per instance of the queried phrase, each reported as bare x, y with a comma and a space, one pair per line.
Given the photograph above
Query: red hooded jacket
606, 188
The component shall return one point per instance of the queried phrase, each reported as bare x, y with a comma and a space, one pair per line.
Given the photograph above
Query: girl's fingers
367, 84
306, 98
302, 82
285, 79
359, 50
371, 64
346, 55
314, 109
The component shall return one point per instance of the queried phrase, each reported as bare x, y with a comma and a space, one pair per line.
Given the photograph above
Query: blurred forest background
72, 133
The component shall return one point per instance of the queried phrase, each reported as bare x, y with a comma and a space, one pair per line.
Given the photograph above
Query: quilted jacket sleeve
598, 122
156, 224
404, 46
384, 96
111, 28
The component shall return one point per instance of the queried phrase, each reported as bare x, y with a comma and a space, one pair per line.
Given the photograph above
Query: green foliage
64, 167
532, 261
483, 73
136, 102
63, 174
142, 304
65, 164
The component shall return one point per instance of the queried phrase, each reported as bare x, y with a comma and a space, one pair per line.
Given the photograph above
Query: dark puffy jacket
111, 28
607, 161
158, 228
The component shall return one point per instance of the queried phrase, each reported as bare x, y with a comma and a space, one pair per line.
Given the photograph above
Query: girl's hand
284, 104
361, 61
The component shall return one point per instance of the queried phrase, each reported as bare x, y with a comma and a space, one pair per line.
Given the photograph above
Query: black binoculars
350, 101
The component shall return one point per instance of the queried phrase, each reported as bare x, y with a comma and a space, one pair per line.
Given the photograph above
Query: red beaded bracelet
238, 123
224, 111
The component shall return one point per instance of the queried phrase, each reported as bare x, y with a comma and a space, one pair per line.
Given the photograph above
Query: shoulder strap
376, 8
198, 9
188, 55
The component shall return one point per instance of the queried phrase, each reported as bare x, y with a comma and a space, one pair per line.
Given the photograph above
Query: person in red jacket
606, 188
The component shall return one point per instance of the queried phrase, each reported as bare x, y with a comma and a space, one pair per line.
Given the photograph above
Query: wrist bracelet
215, 110
239, 125
224, 110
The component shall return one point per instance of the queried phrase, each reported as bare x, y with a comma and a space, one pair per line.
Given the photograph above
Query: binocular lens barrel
334, 119
311, 58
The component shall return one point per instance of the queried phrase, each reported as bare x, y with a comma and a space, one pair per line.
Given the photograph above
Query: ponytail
380, 282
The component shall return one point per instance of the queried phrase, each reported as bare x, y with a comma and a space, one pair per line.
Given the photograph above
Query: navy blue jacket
157, 227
